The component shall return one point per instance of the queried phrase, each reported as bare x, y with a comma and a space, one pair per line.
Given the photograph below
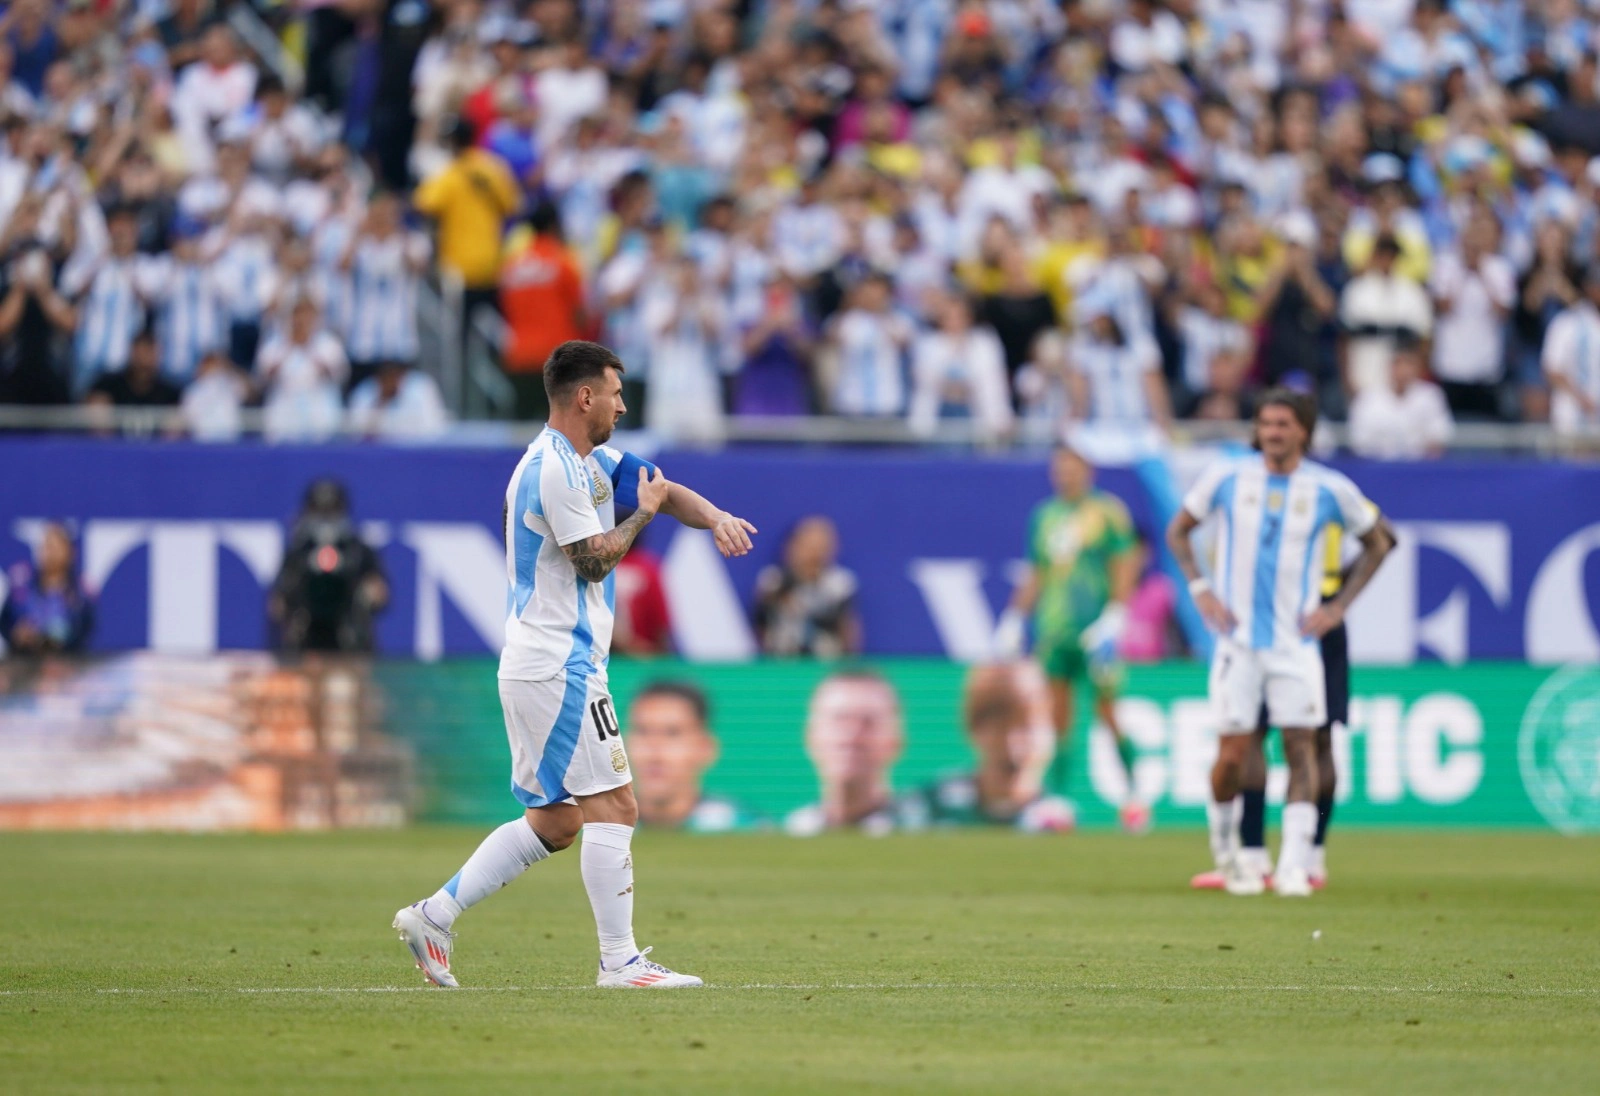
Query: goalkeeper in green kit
1084, 561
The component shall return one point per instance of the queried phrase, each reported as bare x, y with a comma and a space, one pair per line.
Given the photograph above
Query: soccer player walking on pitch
568, 766
1083, 563
1265, 608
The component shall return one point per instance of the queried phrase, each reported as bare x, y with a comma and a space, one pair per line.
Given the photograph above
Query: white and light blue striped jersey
110, 313
247, 274
382, 321
190, 319
557, 622
1116, 377
1271, 542
871, 379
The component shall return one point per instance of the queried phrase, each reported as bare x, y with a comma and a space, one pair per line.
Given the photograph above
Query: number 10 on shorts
604, 718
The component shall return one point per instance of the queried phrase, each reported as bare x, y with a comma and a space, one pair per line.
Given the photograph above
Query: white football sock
607, 864
1222, 819
1318, 864
505, 854
1299, 828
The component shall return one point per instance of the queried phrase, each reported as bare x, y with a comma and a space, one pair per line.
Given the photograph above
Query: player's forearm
1373, 550
1182, 551
1026, 594
598, 556
691, 508
1125, 570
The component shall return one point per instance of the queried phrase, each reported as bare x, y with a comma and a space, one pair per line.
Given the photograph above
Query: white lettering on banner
1378, 719
1559, 627
1145, 724
708, 619
1341, 762
1432, 723
467, 562
1431, 750
953, 591
1194, 750
1385, 625
182, 570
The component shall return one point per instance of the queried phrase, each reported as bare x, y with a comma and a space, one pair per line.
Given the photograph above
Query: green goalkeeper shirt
1071, 545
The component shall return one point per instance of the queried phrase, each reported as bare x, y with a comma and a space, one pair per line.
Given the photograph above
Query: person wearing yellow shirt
470, 200
1388, 214
1073, 240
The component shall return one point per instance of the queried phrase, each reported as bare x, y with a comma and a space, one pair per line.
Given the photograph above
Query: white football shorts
565, 739
1290, 681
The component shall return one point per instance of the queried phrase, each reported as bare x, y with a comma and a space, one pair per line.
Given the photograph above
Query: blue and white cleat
430, 945
640, 973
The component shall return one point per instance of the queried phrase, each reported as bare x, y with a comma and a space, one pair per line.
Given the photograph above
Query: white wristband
1199, 586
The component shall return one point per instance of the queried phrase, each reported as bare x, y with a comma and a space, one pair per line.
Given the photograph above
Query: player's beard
600, 432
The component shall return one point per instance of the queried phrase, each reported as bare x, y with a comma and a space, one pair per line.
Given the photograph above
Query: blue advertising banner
1496, 560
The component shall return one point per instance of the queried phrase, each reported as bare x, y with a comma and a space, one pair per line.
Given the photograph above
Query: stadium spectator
110, 300
643, 625
671, 746
1572, 361
775, 376
542, 299
1376, 309
805, 605
1294, 305
301, 373
1018, 311
397, 403
213, 402
854, 734
1216, 352
869, 340
1544, 289
684, 322
137, 384
471, 199
36, 316
1473, 292
382, 262
1115, 373
1406, 421
959, 372
186, 295
47, 609
331, 583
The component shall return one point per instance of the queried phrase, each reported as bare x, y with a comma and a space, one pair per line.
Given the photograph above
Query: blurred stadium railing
484, 392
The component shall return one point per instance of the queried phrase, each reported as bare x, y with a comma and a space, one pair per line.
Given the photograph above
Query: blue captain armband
625, 480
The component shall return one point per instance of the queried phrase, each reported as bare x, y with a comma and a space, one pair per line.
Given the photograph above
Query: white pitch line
1113, 987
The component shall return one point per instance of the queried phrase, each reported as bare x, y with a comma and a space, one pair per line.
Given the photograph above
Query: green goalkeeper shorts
1064, 659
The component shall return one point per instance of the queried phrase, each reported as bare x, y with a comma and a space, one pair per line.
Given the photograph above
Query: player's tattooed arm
597, 556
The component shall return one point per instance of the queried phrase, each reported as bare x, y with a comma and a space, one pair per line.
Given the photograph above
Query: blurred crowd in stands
1110, 212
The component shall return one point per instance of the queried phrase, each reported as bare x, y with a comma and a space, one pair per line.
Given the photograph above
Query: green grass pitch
971, 962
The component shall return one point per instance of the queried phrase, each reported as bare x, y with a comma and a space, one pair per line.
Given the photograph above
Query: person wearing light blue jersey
568, 766
1265, 604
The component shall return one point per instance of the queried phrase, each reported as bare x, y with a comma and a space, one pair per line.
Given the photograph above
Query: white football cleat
1292, 883
430, 945
1243, 877
640, 973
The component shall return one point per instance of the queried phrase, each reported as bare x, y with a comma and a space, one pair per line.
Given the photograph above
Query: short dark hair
575, 362
1300, 404
545, 219
460, 133
685, 691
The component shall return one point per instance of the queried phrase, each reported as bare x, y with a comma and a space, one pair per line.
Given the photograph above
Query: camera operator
331, 583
